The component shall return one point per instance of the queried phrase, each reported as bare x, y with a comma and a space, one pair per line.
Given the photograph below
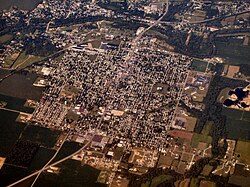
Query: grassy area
199, 65
5, 38
160, 179
18, 61
243, 149
67, 149
40, 135
9, 131
233, 51
237, 123
146, 184
205, 183
194, 182
9, 60
156, 181
200, 138
73, 174
207, 128
25, 60
42, 156
184, 183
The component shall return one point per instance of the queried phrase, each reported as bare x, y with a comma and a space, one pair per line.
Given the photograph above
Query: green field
72, 174
194, 182
160, 179
199, 65
146, 184
233, 51
200, 138
24, 60
9, 131
67, 149
207, 128
157, 180
43, 136
237, 123
42, 156
15, 103
21, 61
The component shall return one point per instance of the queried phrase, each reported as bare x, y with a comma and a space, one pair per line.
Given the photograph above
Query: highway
135, 42
210, 19
50, 159
48, 166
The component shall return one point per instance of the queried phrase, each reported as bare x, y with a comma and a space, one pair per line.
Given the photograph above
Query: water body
240, 96
21, 4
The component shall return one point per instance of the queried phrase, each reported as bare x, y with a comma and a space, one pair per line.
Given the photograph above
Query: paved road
47, 167
50, 159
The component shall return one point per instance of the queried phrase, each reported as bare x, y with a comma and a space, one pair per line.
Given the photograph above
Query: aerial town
125, 93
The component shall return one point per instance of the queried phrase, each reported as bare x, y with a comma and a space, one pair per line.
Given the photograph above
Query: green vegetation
9, 60
194, 182
207, 128
15, 103
146, 184
71, 174
24, 60
205, 183
160, 179
40, 135
243, 149
43, 155
67, 149
233, 51
9, 131
18, 61
157, 180
200, 138
237, 123
5, 38
22, 153
199, 65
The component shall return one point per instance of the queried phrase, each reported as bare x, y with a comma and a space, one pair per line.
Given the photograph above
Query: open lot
243, 149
